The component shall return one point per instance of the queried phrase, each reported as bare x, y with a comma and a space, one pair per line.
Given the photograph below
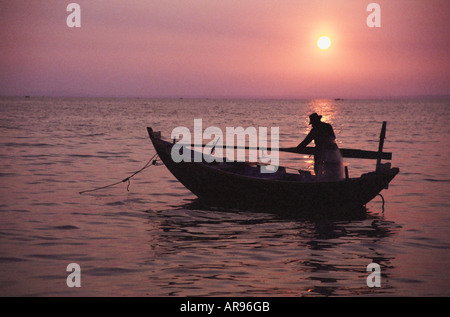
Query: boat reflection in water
215, 252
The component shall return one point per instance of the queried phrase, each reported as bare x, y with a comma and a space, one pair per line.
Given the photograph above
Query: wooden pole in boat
348, 153
380, 146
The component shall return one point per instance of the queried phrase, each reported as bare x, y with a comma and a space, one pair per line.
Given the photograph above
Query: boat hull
230, 186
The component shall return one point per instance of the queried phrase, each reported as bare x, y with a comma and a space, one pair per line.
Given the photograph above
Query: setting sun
324, 42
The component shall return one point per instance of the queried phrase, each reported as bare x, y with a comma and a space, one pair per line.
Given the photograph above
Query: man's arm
306, 141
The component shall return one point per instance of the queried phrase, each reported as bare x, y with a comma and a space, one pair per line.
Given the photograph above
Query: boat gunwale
373, 174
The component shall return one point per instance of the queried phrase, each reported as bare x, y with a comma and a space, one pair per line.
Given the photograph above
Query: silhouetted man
327, 157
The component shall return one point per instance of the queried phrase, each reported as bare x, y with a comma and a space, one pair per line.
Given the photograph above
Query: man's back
322, 133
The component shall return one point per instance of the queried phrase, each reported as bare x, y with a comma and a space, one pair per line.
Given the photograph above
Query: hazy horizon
258, 49
300, 98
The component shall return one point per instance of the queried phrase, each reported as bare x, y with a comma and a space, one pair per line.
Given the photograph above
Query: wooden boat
241, 185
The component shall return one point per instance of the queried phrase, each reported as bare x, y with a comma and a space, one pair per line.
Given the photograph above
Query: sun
323, 42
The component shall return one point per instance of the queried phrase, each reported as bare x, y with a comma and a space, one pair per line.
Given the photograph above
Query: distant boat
241, 185
337, 99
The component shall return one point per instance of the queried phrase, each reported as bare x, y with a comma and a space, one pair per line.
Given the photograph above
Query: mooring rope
151, 162
382, 199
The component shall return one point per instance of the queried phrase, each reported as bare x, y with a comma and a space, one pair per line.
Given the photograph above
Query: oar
347, 153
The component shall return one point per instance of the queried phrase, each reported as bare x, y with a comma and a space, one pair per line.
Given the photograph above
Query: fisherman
327, 157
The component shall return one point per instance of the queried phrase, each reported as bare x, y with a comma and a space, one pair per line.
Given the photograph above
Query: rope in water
151, 162
382, 199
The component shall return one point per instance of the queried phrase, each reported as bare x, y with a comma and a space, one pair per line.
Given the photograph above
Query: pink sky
229, 48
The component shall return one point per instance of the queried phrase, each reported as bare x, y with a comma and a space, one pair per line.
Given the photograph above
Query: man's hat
314, 118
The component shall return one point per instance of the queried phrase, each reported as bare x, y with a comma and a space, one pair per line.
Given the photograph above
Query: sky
226, 48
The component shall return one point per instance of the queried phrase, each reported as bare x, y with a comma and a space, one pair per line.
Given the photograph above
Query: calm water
148, 241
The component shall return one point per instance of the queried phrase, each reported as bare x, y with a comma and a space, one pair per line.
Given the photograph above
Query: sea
149, 238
